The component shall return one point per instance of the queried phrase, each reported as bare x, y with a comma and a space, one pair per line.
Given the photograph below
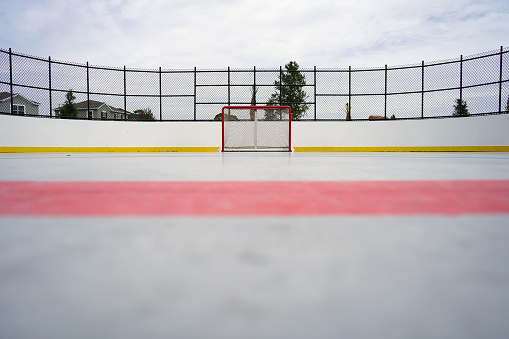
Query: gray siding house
97, 110
22, 105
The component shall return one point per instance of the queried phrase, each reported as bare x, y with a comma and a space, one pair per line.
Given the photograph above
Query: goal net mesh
261, 128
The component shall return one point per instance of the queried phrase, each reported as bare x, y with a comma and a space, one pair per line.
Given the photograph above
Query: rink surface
254, 245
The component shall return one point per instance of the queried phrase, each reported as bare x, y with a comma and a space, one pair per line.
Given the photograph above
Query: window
104, 115
18, 109
118, 116
90, 115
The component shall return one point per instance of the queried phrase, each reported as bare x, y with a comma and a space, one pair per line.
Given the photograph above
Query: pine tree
460, 108
69, 110
289, 92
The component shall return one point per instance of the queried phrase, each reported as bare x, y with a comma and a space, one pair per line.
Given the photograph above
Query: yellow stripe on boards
13, 149
105, 149
406, 149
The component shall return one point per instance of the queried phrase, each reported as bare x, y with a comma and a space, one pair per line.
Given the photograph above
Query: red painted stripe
253, 198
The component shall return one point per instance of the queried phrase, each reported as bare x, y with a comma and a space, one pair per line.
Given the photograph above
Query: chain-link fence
39, 87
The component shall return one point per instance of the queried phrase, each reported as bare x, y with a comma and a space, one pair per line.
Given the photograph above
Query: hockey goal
256, 128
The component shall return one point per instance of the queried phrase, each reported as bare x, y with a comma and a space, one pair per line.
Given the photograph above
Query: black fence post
461, 85
280, 85
229, 87
194, 94
125, 93
500, 81
49, 80
422, 90
385, 93
350, 90
254, 84
88, 92
314, 83
160, 95
10, 81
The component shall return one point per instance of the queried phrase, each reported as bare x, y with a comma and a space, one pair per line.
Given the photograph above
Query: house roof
7, 95
95, 105
4, 95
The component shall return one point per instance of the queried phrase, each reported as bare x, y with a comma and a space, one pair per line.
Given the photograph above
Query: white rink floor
253, 166
419, 276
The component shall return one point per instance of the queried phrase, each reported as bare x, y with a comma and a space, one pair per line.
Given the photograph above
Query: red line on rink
32, 198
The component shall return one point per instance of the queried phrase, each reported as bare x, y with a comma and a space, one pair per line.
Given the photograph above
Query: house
21, 105
97, 110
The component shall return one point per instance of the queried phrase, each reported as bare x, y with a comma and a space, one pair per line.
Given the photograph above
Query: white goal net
256, 128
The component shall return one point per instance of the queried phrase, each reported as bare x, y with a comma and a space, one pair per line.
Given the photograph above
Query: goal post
256, 128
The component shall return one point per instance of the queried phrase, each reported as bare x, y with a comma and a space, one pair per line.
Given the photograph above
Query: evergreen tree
460, 108
69, 110
289, 92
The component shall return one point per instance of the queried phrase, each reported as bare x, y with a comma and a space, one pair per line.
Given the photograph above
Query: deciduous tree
68, 110
145, 114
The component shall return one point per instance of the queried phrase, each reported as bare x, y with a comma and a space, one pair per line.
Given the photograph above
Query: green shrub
219, 117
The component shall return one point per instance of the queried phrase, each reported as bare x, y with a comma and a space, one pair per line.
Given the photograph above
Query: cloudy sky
176, 34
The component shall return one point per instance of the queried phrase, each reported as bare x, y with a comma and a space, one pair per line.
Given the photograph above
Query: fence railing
424, 90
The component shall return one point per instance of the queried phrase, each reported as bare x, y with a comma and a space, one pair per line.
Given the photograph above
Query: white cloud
263, 33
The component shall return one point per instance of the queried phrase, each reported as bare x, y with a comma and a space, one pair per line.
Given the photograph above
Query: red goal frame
257, 108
